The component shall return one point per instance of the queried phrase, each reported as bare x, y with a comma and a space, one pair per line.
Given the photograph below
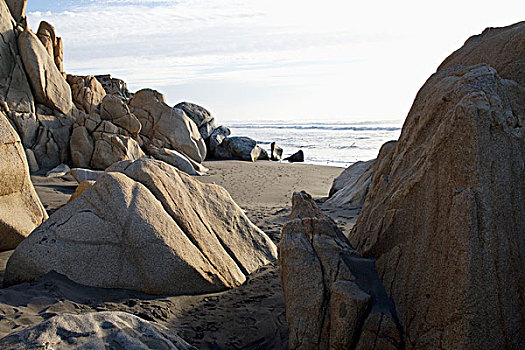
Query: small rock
276, 152
59, 171
296, 157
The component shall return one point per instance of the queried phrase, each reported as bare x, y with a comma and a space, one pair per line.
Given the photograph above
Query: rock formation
349, 175
334, 298
217, 136
52, 43
146, 226
445, 214
95, 330
114, 86
296, 157
20, 207
243, 148
276, 152
200, 116
87, 93
167, 127
17, 9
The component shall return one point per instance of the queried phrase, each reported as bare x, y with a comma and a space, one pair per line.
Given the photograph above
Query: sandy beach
248, 317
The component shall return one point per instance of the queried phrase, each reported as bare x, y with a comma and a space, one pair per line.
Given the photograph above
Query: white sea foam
324, 143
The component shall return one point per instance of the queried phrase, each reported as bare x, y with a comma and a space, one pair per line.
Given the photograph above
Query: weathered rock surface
111, 147
59, 171
87, 92
445, 213
52, 43
17, 9
276, 152
296, 157
146, 226
333, 296
97, 331
167, 127
114, 109
51, 147
20, 208
173, 158
81, 188
349, 175
114, 86
200, 116
218, 135
49, 86
82, 175
243, 148
501, 48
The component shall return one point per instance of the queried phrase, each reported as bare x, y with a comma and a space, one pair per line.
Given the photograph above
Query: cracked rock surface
148, 227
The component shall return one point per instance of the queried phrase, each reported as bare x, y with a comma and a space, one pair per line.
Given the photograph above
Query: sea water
337, 144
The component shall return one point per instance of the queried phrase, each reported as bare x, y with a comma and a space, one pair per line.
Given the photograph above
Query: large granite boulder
174, 158
334, 298
49, 86
51, 147
20, 208
146, 226
200, 116
501, 48
445, 214
243, 148
95, 331
114, 109
87, 92
350, 175
167, 127
17, 9
217, 136
52, 43
114, 86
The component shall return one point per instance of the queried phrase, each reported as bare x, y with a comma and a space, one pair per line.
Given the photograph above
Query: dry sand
251, 316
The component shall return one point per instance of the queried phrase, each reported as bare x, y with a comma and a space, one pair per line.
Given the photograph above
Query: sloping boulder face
114, 109
146, 226
52, 43
334, 298
51, 147
49, 86
87, 93
95, 330
20, 208
349, 175
200, 116
501, 48
243, 148
17, 9
173, 158
114, 86
445, 215
167, 127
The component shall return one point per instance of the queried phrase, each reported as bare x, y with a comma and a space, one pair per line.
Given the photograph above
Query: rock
296, 157
82, 147
445, 213
53, 141
52, 43
218, 135
31, 161
200, 116
115, 110
49, 86
82, 175
276, 152
243, 148
146, 226
59, 171
112, 147
167, 127
350, 175
87, 92
95, 330
20, 208
17, 8
330, 291
27, 126
81, 188
501, 48
173, 158
114, 86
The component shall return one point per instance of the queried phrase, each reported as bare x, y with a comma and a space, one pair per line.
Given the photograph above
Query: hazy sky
266, 59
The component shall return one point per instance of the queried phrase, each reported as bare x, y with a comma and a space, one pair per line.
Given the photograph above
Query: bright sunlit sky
267, 59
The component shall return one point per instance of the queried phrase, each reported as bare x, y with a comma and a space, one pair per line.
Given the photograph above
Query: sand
251, 316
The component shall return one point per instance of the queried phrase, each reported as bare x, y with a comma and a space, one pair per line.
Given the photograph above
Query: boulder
52, 43
53, 141
87, 92
146, 226
276, 152
82, 175
200, 116
114, 86
350, 175
243, 148
114, 109
97, 331
173, 158
167, 127
49, 86
81, 188
20, 208
82, 147
17, 8
501, 48
445, 213
112, 147
296, 157
332, 295
218, 135
59, 171
31, 161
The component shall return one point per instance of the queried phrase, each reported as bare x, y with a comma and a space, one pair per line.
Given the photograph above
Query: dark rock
114, 86
243, 148
296, 157
218, 135
200, 116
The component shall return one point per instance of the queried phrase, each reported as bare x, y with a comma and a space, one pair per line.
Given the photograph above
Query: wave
316, 127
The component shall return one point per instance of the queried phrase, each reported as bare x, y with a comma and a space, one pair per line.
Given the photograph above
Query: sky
331, 60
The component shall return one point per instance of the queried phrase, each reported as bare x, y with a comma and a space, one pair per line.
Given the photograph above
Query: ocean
337, 144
